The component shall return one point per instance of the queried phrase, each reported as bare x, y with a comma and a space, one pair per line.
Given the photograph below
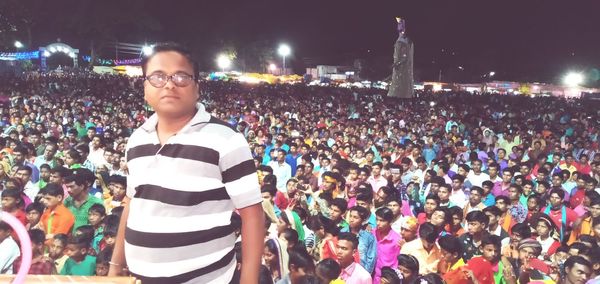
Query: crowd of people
357, 187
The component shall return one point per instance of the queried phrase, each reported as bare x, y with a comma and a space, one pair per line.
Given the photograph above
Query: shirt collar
201, 116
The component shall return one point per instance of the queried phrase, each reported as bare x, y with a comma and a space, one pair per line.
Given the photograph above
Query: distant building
334, 73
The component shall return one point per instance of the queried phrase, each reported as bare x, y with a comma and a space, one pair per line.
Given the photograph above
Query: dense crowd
357, 187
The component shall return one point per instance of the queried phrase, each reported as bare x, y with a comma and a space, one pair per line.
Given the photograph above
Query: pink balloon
25, 245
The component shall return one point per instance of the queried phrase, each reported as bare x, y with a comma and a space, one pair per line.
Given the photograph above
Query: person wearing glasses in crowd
187, 172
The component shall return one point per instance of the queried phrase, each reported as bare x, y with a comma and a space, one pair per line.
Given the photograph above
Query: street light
573, 79
223, 61
492, 73
284, 50
272, 67
147, 50
18, 44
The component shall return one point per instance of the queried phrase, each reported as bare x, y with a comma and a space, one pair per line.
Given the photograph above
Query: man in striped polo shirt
187, 172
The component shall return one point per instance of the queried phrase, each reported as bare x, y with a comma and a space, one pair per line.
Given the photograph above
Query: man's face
363, 176
382, 224
354, 220
344, 253
506, 177
49, 152
555, 200
577, 274
476, 166
493, 171
75, 189
363, 204
457, 184
56, 178
376, 171
34, 139
280, 157
493, 218
171, 100
474, 227
51, 201
430, 205
395, 207
513, 193
19, 158
475, 198
23, 175
335, 213
524, 170
438, 218
444, 193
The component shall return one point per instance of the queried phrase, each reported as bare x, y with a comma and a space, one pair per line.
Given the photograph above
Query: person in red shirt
12, 203
283, 199
578, 193
560, 214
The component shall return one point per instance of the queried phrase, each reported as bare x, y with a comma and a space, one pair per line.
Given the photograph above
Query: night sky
519, 40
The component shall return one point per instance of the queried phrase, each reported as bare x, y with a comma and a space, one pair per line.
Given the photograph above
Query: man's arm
253, 236
118, 262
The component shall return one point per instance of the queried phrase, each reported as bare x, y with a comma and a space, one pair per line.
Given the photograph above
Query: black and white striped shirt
183, 194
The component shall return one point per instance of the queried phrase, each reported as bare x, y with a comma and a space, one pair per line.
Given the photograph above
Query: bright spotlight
432, 103
272, 67
147, 50
284, 50
223, 61
492, 73
46, 53
573, 79
18, 44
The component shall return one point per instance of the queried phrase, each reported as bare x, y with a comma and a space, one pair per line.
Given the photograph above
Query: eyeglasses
159, 80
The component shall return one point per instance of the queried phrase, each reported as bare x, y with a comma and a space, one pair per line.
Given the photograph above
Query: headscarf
296, 223
282, 255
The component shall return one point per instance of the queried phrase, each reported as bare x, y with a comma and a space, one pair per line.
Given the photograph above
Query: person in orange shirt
451, 265
57, 219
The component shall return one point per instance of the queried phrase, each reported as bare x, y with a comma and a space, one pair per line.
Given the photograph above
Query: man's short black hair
299, 258
478, 216
54, 190
349, 237
175, 47
451, 244
428, 232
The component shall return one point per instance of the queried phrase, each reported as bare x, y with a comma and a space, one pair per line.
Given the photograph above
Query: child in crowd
57, 219
103, 262
79, 263
96, 215
33, 214
56, 251
40, 264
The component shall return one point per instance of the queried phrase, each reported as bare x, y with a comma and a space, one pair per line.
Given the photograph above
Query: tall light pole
284, 50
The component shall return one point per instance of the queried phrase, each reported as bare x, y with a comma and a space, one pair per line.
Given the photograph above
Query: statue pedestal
402, 85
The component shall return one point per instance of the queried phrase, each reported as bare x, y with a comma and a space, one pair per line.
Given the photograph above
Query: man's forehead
169, 62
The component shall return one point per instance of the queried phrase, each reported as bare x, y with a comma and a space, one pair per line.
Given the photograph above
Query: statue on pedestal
402, 69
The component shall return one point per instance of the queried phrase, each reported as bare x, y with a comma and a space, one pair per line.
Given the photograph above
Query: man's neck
354, 230
83, 196
493, 227
172, 125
